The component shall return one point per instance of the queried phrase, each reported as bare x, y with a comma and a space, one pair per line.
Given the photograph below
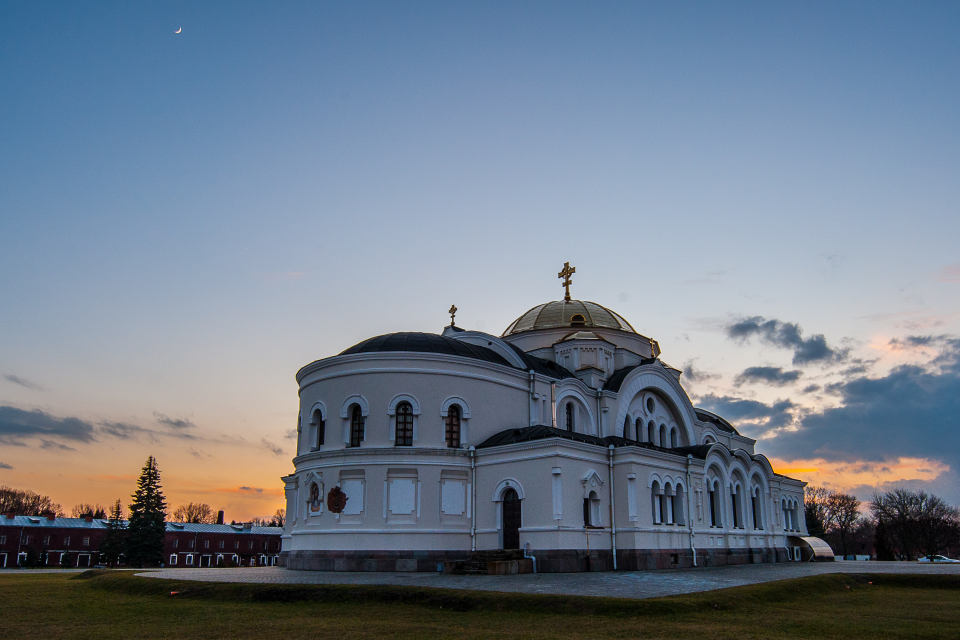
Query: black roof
544, 367
424, 343
715, 420
542, 432
432, 343
616, 378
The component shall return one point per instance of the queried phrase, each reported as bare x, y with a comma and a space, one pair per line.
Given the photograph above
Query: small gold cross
565, 275
452, 312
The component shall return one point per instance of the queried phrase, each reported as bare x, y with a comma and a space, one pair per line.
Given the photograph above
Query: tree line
138, 540
898, 525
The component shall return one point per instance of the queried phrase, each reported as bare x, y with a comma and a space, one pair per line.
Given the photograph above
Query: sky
770, 190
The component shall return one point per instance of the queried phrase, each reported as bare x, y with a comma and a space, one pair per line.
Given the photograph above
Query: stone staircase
494, 563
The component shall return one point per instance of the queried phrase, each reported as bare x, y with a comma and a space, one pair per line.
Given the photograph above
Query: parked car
938, 559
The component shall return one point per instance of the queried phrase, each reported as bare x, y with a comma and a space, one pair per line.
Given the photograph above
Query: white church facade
565, 437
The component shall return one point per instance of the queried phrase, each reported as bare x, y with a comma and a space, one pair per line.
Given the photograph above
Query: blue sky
187, 219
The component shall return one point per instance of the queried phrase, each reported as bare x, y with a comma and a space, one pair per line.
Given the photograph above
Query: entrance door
511, 519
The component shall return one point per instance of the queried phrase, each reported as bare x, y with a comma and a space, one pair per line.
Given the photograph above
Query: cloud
697, 375
769, 375
760, 417
4, 465
909, 412
290, 434
180, 423
16, 425
272, 448
811, 388
197, 453
127, 431
56, 446
950, 273
23, 382
246, 489
786, 335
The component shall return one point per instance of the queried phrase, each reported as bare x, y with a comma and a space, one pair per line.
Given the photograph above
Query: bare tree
27, 503
912, 523
84, 510
279, 517
815, 506
843, 517
200, 513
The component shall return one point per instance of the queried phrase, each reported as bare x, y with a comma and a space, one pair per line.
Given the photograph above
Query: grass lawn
106, 605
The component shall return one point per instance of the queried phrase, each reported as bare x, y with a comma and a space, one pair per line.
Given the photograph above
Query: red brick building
75, 542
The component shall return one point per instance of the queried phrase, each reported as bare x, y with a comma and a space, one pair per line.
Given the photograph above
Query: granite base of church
547, 561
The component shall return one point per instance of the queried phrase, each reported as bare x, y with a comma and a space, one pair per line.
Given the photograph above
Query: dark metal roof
424, 343
616, 378
542, 432
714, 419
547, 368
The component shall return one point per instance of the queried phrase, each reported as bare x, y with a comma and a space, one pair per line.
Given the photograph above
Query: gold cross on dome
565, 275
452, 312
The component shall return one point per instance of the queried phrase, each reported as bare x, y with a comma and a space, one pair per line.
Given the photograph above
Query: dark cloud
272, 448
246, 489
750, 417
768, 375
911, 411
23, 382
694, 374
56, 446
786, 335
179, 423
291, 434
4, 465
17, 425
197, 453
811, 388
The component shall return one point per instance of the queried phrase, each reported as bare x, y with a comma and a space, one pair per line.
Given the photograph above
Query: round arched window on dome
651, 405
577, 320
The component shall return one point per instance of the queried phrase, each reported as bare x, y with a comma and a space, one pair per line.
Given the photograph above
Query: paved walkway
619, 584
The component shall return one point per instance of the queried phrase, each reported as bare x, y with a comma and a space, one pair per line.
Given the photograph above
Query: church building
566, 438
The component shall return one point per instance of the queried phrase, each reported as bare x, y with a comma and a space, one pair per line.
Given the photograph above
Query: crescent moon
179, 29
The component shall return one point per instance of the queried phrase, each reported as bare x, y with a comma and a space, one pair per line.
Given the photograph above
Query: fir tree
114, 541
146, 527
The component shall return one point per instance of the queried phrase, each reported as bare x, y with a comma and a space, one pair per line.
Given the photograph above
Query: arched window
404, 425
591, 510
666, 504
712, 490
673, 437
755, 508
571, 424
651, 431
663, 436
452, 426
577, 320
677, 499
626, 427
321, 428
656, 502
639, 429
356, 425
736, 501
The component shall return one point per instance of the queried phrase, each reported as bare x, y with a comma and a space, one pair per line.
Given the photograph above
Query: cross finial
452, 312
565, 275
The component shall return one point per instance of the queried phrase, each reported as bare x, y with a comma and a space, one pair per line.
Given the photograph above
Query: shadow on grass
779, 592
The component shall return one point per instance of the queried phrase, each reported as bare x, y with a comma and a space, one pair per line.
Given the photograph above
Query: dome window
577, 320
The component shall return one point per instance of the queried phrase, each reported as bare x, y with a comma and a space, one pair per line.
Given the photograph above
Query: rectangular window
250, 546
176, 542
236, 544
206, 544
3, 539
190, 559
26, 539
46, 540
66, 541
86, 541
221, 544
173, 559
356, 425
191, 544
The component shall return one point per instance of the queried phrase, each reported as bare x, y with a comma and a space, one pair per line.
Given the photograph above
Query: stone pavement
617, 584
